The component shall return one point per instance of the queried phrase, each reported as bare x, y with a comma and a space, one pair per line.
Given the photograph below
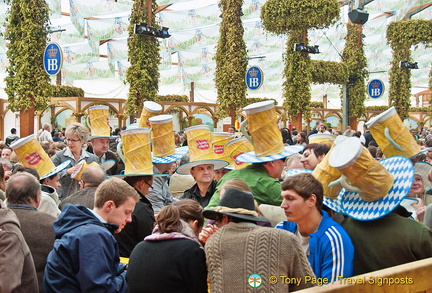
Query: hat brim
250, 157
57, 169
335, 204
355, 207
296, 171
185, 168
122, 175
213, 215
180, 152
132, 126
422, 168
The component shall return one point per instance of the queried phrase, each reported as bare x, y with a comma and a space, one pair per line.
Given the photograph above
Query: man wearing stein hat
242, 254
268, 157
202, 165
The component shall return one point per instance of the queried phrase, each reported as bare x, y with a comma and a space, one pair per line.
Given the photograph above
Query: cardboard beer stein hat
31, 154
236, 147
83, 165
392, 135
264, 135
201, 152
162, 134
150, 109
135, 151
372, 189
97, 120
323, 138
221, 149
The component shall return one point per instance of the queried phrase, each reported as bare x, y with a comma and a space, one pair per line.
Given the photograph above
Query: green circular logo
254, 280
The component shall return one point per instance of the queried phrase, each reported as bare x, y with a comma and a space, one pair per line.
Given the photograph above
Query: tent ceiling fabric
95, 47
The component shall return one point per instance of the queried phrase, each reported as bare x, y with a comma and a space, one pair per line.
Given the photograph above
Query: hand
420, 209
207, 232
73, 169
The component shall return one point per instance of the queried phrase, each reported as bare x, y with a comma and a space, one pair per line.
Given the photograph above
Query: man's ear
108, 206
312, 200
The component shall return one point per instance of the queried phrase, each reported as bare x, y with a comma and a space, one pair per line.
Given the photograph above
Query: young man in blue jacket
328, 247
85, 257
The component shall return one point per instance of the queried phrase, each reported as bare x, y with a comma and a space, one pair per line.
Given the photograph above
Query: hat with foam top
200, 142
31, 154
164, 149
372, 189
97, 120
135, 151
264, 134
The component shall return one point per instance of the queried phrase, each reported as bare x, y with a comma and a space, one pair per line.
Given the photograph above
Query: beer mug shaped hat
221, 149
135, 151
333, 203
98, 121
327, 175
323, 138
372, 189
31, 154
392, 135
162, 134
200, 142
150, 109
265, 135
236, 147
83, 165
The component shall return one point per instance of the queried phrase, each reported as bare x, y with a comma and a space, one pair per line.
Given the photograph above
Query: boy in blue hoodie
85, 257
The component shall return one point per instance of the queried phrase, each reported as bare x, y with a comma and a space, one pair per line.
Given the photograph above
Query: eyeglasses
71, 140
151, 187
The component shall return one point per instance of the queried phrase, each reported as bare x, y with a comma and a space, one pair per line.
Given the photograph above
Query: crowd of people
104, 211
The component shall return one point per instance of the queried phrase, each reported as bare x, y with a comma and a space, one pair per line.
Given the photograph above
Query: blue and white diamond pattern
179, 153
250, 157
357, 208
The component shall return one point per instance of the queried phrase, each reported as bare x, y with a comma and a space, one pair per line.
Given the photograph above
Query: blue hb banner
254, 78
53, 59
375, 88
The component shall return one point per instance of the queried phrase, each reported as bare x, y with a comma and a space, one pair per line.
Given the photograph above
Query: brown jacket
17, 270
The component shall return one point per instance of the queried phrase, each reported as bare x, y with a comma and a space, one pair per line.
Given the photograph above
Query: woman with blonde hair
76, 139
172, 258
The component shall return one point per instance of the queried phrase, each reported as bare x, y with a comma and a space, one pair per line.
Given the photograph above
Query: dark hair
318, 148
373, 150
305, 185
13, 130
132, 180
169, 216
21, 169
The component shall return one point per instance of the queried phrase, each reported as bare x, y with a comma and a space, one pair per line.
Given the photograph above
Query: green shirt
265, 189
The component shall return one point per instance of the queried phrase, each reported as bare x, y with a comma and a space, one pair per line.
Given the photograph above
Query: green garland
401, 35
172, 98
329, 71
66, 91
281, 16
27, 29
231, 60
298, 77
143, 73
316, 105
354, 58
